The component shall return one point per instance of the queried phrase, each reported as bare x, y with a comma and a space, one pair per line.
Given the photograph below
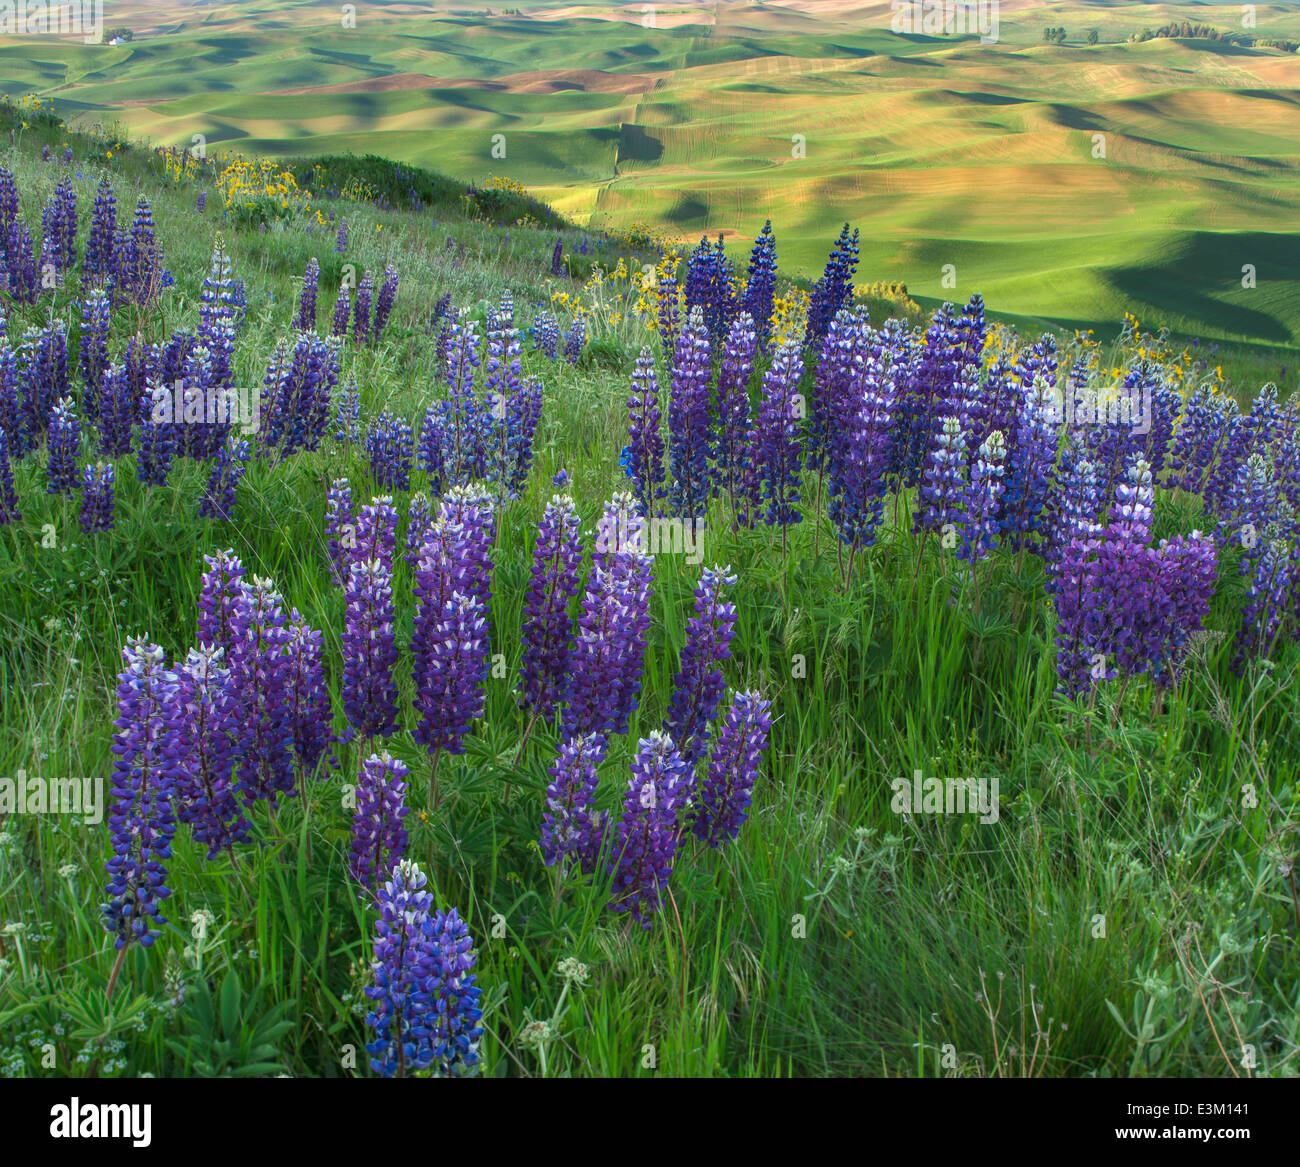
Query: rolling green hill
1071, 182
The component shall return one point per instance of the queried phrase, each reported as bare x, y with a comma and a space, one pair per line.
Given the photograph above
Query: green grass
835, 936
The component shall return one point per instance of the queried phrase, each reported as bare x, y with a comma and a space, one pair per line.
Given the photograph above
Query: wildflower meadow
441, 641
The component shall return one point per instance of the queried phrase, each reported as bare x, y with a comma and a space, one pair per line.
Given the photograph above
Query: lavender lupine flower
710, 287
734, 449
450, 671
206, 722
557, 257
1264, 613
547, 628
568, 830
65, 445
668, 316
546, 334
369, 650
59, 230
390, 448
217, 295
92, 355
699, 685
645, 436
942, 484
760, 285
1029, 463
12, 421
384, 301
347, 418
469, 514
340, 529
97, 264
725, 794
221, 588
1196, 440
776, 452
361, 311
140, 274
9, 512
218, 501
43, 358
1189, 569
575, 340
97, 502
399, 996
523, 412
309, 699
379, 833
429, 448
860, 456
688, 419
1080, 616
305, 321
835, 288
647, 832
201, 202
419, 518
296, 393
1075, 508
607, 657
376, 532
259, 680
21, 277
453, 996
342, 310
141, 816
157, 438
982, 495
341, 240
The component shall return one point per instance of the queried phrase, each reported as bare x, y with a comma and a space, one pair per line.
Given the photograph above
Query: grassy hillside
945, 151
1127, 911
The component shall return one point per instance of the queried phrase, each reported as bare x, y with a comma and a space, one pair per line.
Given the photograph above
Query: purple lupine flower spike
97, 497
220, 590
207, 722
369, 650
453, 995
688, 419
384, 301
218, 501
647, 832
776, 452
308, 698
986, 486
645, 436
141, 815
260, 668
568, 829
390, 447
61, 473
699, 685
9, 512
340, 529
398, 996
547, 628
305, 321
362, 309
726, 792
379, 833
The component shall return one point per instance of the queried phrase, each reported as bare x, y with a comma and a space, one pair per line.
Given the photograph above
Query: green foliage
228, 1035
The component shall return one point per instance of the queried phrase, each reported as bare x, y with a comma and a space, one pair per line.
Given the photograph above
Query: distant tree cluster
118, 34
1093, 36
1285, 46
1054, 36
1184, 30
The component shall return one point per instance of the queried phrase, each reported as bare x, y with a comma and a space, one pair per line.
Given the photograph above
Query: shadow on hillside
1207, 268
